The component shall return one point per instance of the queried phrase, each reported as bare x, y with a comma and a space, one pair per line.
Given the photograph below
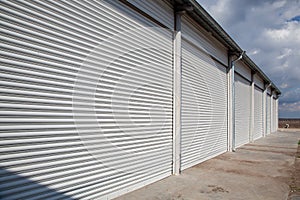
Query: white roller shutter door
242, 110
273, 115
86, 100
160, 10
204, 107
258, 113
276, 121
268, 114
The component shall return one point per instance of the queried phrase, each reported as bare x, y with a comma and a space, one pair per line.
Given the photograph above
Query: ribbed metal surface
242, 69
258, 113
84, 113
242, 110
161, 10
204, 107
269, 91
268, 104
258, 82
192, 32
274, 116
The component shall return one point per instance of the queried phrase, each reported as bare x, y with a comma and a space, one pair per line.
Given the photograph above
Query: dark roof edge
202, 16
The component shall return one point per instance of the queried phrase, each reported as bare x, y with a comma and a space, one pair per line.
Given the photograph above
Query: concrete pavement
262, 170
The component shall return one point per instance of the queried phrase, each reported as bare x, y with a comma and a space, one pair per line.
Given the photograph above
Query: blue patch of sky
296, 18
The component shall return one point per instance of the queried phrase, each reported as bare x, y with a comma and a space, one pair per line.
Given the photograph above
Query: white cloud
292, 95
219, 8
286, 52
280, 34
290, 107
288, 34
278, 4
283, 85
253, 52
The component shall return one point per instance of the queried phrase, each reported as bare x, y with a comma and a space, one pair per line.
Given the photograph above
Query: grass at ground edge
295, 180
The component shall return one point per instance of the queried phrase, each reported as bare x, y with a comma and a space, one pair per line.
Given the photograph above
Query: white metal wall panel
192, 32
269, 91
258, 82
268, 114
242, 110
204, 107
243, 70
272, 115
86, 100
276, 123
160, 10
273, 124
258, 113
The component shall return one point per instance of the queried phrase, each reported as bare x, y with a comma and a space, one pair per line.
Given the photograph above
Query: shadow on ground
15, 186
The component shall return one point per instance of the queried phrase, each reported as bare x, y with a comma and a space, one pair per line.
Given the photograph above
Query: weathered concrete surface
260, 170
289, 129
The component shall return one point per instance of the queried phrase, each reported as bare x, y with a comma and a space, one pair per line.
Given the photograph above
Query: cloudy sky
269, 31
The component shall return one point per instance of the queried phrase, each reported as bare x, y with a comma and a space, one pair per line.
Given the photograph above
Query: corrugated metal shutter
161, 10
204, 107
258, 113
242, 110
276, 122
268, 114
192, 32
273, 115
242, 69
258, 81
86, 109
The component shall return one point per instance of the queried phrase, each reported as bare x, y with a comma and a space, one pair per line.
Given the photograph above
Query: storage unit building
258, 129
99, 98
258, 113
242, 101
242, 110
204, 97
274, 115
269, 107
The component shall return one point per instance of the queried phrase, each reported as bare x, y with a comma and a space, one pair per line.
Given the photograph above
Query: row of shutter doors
86, 101
243, 111
258, 113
